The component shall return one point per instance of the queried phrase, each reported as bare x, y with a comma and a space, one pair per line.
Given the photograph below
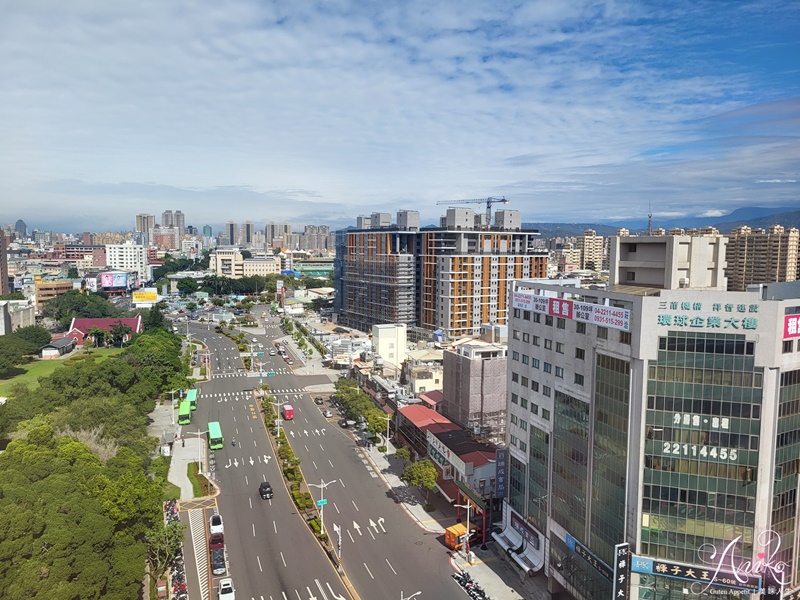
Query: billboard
597, 314
791, 326
113, 279
145, 295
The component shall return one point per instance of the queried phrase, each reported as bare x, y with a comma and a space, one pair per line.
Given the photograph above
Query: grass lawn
43, 368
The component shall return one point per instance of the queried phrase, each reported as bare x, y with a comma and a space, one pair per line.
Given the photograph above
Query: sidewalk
490, 568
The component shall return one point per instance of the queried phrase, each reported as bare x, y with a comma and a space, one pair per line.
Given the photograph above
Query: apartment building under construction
453, 277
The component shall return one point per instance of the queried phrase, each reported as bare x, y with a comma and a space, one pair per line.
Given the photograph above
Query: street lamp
468, 506
409, 597
199, 449
322, 485
278, 405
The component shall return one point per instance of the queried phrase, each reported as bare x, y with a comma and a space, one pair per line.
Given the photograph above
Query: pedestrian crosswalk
249, 393
262, 374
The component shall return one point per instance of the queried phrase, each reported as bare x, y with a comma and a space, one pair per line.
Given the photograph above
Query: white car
215, 524
226, 591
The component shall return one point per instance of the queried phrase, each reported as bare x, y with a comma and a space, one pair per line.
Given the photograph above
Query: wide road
271, 552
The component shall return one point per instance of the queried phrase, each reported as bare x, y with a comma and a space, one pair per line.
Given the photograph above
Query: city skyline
587, 111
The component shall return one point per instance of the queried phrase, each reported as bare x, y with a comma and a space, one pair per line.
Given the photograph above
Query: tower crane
488, 201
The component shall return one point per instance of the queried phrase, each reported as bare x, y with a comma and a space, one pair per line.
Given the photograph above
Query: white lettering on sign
770, 544
596, 314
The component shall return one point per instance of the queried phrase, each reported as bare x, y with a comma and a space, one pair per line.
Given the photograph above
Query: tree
191, 306
422, 474
188, 285
13, 296
97, 334
163, 545
153, 318
73, 273
36, 335
404, 454
74, 304
119, 332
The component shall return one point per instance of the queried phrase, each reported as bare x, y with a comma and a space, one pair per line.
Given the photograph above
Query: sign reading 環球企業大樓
585, 312
713, 315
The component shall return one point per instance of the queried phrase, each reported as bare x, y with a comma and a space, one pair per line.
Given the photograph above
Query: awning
447, 488
530, 561
509, 538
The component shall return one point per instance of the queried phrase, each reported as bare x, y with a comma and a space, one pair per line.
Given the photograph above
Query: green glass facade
702, 438
570, 463
538, 474
787, 464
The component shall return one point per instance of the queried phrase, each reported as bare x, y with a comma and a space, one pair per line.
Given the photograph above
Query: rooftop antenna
650, 218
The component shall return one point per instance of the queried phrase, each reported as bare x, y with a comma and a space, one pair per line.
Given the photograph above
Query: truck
288, 412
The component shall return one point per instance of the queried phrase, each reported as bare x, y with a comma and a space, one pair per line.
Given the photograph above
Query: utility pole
468, 505
322, 502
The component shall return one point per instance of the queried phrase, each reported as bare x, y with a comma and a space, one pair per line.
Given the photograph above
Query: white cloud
269, 111
713, 213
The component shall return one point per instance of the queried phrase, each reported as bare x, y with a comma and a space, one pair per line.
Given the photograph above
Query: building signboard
521, 527
145, 295
585, 312
791, 326
711, 315
501, 455
622, 572
443, 456
589, 557
701, 577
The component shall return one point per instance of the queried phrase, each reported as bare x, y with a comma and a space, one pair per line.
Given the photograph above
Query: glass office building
667, 420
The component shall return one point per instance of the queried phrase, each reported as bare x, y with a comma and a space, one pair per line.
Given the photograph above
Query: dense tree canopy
188, 285
36, 335
75, 304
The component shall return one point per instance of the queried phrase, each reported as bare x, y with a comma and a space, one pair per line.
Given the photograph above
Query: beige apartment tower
591, 248
757, 256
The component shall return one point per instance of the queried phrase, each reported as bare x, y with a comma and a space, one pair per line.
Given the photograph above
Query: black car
343, 423
319, 400
265, 490
218, 562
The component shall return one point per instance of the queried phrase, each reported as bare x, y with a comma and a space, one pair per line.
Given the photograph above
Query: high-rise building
207, 231
590, 246
247, 233
474, 388
128, 257
277, 234
21, 229
145, 222
165, 238
231, 233
5, 288
759, 256
167, 219
179, 222
454, 277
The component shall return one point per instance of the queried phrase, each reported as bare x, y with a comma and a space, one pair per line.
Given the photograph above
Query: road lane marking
254, 530
354, 504
260, 568
315, 465
283, 559
337, 508
246, 481
306, 447
390, 566
342, 482
350, 536
368, 571
275, 526
329, 462
321, 591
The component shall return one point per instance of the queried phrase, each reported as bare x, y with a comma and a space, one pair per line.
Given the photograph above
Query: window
545, 414
523, 446
523, 425
546, 391
516, 313
514, 399
578, 379
514, 377
534, 385
625, 337
515, 355
537, 318
548, 344
536, 340
526, 315
513, 440
524, 381
561, 323
560, 347
560, 372
525, 359
580, 353
580, 327
630, 276
523, 402
515, 334
534, 408
514, 419
602, 333
535, 363
787, 346
548, 320
526, 337
631, 247
548, 368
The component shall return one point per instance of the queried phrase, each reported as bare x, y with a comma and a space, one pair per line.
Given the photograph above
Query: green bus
191, 398
184, 413
215, 439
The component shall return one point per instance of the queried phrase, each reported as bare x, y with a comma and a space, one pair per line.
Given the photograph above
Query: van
288, 412
218, 562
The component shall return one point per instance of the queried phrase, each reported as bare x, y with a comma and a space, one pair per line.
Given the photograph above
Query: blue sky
317, 112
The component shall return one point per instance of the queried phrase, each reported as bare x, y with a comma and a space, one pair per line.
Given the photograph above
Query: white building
128, 257
389, 342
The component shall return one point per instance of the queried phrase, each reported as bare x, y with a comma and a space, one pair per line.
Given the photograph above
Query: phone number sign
596, 314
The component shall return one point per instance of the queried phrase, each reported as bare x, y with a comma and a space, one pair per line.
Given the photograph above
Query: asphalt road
271, 552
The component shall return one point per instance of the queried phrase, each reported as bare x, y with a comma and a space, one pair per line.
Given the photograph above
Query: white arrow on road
380, 523
357, 527
310, 595
235, 462
251, 461
291, 433
266, 459
323, 431
316, 432
306, 432
334, 594
373, 524
229, 464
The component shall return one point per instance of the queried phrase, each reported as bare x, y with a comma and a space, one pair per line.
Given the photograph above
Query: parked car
218, 562
327, 414
319, 400
343, 423
216, 540
289, 361
225, 590
215, 524
272, 352
265, 490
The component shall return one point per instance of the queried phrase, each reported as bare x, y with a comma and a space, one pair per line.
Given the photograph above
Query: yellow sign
145, 296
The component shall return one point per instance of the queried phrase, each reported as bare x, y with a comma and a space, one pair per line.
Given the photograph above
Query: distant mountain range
754, 217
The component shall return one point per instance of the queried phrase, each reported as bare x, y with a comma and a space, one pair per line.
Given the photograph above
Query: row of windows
704, 407
515, 441
707, 345
515, 399
546, 367
705, 376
